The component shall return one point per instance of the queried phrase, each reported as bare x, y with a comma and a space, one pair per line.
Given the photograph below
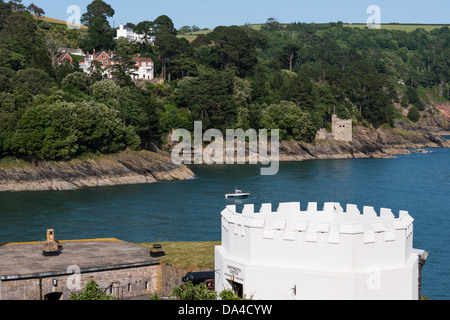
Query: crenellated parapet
332, 220
322, 236
329, 252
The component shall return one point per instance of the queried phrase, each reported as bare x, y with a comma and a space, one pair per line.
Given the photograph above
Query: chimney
51, 246
50, 235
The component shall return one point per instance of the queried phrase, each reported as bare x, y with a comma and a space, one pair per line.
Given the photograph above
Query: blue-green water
190, 210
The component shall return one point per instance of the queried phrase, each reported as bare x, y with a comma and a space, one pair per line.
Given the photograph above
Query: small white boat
238, 194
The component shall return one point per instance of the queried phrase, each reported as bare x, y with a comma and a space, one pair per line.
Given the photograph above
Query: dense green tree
413, 114
124, 67
31, 80
63, 130
106, 91
210, 98
163, 24
97, 9
21, 43
289, 55
231, 48
292, 122
173, 118
182, 63
77, 80
100, 34
147, 30
166, 48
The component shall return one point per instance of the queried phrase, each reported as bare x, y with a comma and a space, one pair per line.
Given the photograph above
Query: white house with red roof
145, 69
101, 59
104, 60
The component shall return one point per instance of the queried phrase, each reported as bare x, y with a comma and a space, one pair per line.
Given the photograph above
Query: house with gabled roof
104, 60
65, 57
145, 69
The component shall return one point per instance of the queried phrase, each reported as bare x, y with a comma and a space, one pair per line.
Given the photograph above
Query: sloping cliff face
367, 143
106, 170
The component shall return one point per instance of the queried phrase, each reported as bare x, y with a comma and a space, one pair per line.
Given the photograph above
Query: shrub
189, 291
414, 114
229, 295
92, 292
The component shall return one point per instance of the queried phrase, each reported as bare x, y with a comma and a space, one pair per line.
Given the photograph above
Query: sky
212, 13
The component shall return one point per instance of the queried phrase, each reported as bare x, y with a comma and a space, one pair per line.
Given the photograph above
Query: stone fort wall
341, 130
123, 283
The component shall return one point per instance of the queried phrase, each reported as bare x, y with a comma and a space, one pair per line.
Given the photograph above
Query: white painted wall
128, 33
323, 254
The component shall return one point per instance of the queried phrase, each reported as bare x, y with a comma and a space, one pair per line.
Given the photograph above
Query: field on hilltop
57, 21
191, 36
401, 27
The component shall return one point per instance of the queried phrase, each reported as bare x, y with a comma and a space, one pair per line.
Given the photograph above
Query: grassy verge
9, 162
192, 256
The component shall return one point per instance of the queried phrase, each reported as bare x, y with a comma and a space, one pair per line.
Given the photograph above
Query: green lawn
192, 256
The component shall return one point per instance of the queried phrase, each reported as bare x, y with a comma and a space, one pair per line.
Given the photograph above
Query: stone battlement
314, 225
341, 129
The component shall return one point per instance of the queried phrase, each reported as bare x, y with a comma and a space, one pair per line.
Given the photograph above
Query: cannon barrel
198, 277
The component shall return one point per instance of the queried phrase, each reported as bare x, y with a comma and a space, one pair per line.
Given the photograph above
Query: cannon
200, 277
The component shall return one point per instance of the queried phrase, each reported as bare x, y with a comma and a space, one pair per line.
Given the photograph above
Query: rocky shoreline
367, 143
148, 167
106, 170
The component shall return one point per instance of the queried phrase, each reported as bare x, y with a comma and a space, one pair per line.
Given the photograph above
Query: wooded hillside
287, 76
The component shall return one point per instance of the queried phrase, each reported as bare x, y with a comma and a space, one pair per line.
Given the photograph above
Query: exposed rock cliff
367, 143
122, 168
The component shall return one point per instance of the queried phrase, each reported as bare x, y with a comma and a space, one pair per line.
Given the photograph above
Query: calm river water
190, 210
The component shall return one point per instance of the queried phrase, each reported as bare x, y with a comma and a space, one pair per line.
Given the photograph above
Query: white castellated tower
318, 254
